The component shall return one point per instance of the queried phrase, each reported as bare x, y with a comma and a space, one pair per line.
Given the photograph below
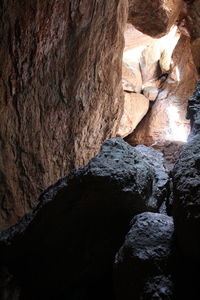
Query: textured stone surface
158, 288
131, 78
150, 93
66, 246
161, 188
135, 108
60, 94
154, 17
167, 118
186, 180
144, 254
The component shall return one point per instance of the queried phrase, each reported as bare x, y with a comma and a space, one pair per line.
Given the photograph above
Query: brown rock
131, 78
154, 17
60, 94
150, 93
167, 118
135, 108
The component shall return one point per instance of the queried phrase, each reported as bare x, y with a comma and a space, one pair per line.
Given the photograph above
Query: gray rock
186, 182
158, 288
144, 254
66, 246
161, 185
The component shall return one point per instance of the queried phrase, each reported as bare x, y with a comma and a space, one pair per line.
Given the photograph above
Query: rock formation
66, 246
144, 256
161, 15
186, 179
60, 94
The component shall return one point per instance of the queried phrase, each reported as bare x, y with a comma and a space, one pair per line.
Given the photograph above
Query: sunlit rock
131, 78
150, 93
135, 108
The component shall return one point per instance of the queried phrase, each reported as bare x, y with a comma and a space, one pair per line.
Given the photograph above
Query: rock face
161, 15
143, 257
135, 108
61, 91
66, 246
166, 121
131, 78
186, 180
161, 188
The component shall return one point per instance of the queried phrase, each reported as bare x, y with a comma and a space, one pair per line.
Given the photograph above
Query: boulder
166, 120
131, 78
135, 108
150, 93
158, 288
154, 17
161, 187
144, 254
186, 181
65, 247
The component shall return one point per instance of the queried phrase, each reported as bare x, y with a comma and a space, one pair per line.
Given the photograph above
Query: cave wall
61, 96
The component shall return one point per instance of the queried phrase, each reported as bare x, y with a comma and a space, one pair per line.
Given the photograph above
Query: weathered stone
150, 93
135, 108
154, 17
156, 58
161, 186
131, 78
166, 120
61, 94
186, 180
65, 247
144, 254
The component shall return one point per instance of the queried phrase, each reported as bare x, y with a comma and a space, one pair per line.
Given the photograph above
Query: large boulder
154, 17
144, 255
166, 121
186, 180
135, 108
66, 246
161, 187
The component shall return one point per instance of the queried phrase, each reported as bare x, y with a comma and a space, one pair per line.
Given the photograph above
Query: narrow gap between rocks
158, 77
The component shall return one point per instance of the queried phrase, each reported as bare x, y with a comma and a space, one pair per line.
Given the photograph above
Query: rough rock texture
66, 246
156, 58
150, 93
135, 108
167, 118
161, 187
158, 288
186, 180
161, 15
131, 78
145, 254
61, 94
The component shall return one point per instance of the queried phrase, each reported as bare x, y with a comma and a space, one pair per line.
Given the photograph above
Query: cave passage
157, 85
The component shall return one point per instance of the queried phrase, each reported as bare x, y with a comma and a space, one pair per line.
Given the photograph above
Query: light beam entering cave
178, 131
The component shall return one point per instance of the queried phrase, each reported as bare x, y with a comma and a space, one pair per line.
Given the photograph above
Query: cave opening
158, 77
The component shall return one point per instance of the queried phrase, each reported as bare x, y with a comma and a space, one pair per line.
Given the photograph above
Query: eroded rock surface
166, 121
186, 179
161, 15
66, 246
144, 254
61, 94
135, 108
